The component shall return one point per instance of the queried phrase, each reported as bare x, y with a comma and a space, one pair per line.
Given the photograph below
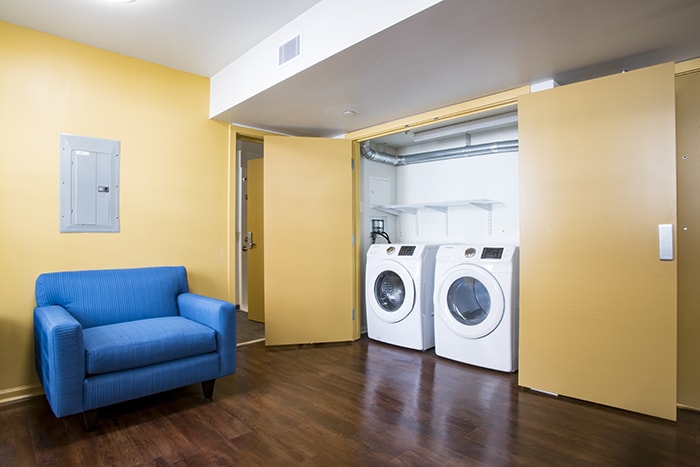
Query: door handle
666, 242
248, 242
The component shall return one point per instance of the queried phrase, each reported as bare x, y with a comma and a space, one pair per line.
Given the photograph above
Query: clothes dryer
399, 283
476, 302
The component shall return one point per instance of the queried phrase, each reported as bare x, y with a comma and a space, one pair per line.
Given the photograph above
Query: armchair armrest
218, 315
59, 355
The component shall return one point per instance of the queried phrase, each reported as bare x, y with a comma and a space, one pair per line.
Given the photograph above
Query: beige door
597, 177
309, 248
688, 122
254, 244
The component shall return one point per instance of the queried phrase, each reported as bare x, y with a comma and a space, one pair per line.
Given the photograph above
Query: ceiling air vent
289, 50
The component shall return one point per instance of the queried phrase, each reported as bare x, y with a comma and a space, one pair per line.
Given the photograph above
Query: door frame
234, 256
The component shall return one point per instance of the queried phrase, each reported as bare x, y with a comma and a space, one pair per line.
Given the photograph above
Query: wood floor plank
246, 330
16, 427
362, 403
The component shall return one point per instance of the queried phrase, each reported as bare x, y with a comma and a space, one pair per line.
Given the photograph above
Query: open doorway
249, 154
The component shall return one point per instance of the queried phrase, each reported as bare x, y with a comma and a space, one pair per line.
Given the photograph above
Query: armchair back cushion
101, 297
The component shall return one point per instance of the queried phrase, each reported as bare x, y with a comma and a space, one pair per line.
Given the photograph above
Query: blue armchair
108, 336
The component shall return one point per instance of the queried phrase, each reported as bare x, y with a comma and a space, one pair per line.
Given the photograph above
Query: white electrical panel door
89, 184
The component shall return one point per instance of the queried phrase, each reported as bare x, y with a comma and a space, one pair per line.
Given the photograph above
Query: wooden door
688, 139
597, 177
309, 252
254, 243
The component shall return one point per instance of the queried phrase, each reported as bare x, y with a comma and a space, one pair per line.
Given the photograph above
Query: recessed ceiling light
349, 113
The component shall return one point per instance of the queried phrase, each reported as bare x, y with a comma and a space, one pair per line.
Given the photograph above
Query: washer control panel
491, 253
407, 250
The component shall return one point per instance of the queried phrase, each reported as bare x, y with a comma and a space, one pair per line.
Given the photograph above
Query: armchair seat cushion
135, 344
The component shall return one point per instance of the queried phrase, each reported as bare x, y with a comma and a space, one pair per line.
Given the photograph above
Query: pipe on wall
442, 154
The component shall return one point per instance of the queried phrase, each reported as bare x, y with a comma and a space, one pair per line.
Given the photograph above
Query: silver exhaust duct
377, 156
440, 155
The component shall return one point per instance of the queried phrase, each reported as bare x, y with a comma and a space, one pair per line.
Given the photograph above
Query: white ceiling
197, 36
452, 52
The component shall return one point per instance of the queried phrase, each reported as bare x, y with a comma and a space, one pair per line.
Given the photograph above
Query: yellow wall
173, 176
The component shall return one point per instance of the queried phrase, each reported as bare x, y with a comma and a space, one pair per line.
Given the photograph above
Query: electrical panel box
89, 184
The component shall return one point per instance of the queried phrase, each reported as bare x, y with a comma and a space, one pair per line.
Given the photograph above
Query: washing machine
399, 283
476, 302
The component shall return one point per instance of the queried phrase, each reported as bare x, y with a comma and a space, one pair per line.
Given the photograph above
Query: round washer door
471, 301
391, 291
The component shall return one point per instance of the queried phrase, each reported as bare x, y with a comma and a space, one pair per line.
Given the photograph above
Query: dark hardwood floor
248, 331
362, 403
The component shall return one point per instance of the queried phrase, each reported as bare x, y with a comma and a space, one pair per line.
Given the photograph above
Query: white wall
493, 176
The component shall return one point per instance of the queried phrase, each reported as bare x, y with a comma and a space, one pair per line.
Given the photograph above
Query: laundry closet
448, 182
573, 182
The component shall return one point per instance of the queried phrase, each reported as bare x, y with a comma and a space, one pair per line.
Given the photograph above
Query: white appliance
399, 284
476, 300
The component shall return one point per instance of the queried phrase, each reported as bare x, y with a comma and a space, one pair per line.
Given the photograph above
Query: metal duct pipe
377, 156
440, 155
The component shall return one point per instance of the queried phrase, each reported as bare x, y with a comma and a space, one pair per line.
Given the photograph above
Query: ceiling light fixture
482, 124
120, 1
349, 113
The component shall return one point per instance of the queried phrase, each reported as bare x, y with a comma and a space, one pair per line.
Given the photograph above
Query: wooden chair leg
90, 420
208, 388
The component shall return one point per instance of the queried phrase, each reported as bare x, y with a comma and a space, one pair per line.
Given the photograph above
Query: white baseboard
19, 393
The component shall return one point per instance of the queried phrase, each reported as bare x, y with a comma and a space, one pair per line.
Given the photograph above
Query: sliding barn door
597, 178
309, 252
688, 137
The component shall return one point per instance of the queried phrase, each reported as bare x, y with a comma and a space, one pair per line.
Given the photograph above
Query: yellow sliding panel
597, 178
309, 251
688, 140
